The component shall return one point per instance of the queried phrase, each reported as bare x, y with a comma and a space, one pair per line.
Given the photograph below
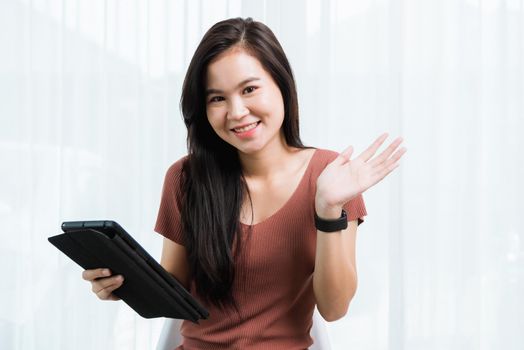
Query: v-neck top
273, 282
289, 201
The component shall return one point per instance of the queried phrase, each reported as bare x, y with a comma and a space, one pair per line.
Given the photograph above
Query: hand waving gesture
345, 178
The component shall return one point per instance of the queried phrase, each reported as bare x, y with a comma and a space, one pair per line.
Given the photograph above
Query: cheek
216, 120
269, 104
213, 117
275, 102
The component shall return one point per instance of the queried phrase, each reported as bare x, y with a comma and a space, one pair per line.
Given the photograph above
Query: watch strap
332, 225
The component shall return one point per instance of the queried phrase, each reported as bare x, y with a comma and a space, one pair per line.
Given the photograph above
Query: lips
245, 127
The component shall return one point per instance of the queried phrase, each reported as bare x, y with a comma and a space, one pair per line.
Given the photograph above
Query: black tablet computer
148, 288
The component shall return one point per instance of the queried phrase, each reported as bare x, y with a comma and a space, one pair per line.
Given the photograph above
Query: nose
237, 109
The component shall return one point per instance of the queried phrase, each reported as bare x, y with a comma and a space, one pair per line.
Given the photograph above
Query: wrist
327, 211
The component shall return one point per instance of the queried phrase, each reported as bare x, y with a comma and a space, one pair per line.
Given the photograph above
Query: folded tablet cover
148, 288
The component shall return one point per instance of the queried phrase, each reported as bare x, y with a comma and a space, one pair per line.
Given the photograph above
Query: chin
249, 149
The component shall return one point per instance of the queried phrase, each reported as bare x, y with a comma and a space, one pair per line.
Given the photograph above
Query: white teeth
246, 128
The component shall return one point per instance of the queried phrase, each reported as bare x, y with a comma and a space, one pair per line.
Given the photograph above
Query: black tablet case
148, 289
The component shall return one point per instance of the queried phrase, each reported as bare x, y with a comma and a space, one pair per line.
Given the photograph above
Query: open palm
345, 178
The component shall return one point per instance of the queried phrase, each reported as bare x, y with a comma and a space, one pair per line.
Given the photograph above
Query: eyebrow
243, 82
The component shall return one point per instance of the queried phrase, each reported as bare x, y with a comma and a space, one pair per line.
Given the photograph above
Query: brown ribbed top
273, 282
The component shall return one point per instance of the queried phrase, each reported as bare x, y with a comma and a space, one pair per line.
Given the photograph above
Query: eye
216, 99
250, 89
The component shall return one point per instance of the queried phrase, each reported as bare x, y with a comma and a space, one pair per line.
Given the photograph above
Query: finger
371, 150
387, 152
104, 283
113, 297
106, 292
395, 157
345, 155
391, 164
387, 170
91, 275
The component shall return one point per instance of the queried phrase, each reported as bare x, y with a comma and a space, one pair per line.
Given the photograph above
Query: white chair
170, 336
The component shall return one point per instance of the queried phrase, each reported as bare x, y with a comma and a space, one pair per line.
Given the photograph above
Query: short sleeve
356, 209
168, 222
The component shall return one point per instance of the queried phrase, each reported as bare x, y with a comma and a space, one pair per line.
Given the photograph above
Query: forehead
232, 67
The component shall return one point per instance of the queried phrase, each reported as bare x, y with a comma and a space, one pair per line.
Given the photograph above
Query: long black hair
213, 186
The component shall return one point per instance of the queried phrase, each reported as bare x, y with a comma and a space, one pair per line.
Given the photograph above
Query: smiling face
244, 105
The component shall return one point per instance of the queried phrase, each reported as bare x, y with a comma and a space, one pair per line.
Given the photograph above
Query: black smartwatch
333, 225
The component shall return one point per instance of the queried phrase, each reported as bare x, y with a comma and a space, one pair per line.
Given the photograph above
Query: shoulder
323, 157
173, 176
175, 170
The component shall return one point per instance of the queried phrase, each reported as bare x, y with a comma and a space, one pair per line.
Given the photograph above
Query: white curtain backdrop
89, 93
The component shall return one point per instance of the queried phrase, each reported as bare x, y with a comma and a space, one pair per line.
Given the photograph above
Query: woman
259, 227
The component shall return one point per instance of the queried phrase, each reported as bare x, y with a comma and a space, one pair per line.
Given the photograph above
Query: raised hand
345, 178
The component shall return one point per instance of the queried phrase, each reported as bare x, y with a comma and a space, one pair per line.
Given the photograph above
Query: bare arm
335, 275
174, 260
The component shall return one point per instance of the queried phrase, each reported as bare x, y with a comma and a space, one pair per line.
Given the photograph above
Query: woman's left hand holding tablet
344, 178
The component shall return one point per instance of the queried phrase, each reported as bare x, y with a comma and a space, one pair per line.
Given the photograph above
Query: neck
267, 163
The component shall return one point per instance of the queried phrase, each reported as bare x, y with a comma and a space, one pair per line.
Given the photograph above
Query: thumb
345, 155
